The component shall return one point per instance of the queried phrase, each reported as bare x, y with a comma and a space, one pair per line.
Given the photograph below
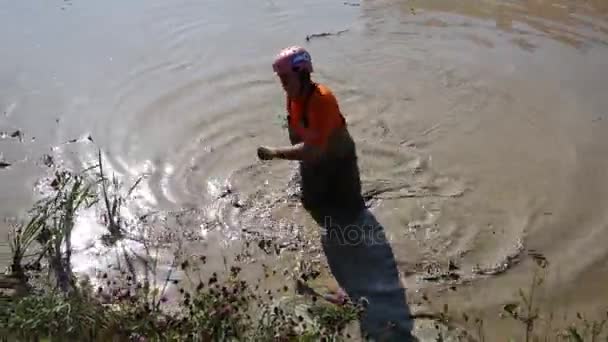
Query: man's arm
314, 144
300, 151
293, 137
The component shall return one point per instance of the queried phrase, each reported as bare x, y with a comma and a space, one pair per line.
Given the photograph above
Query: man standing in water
320, 141
331, 192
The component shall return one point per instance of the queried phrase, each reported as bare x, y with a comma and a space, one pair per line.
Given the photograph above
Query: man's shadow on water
362, 261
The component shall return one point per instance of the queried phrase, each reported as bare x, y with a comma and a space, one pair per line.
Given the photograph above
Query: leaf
574, 334
540, 281
523, 297
511, 309
30, 322
134, 186
92, 167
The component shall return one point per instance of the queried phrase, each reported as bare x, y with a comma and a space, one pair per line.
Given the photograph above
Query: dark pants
331, 188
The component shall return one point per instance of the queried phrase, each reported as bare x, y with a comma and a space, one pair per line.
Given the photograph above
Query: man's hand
266, 153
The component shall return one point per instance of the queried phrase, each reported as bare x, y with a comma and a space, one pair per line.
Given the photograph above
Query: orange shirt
323, 116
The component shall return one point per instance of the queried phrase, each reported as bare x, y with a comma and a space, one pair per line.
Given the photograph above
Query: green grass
47, 233
227, 312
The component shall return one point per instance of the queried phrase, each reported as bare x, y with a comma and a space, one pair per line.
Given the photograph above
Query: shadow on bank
362, 261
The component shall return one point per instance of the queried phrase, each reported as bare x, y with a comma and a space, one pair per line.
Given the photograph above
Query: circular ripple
198, 143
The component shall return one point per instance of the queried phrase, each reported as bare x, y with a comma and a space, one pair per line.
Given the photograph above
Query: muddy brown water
481, 125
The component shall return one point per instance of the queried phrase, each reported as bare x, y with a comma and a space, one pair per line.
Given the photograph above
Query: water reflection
362, 262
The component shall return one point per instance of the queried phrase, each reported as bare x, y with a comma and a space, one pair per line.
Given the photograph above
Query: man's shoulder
324, 96
324, 90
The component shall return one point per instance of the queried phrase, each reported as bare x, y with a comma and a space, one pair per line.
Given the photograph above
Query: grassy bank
229, 311
44, 300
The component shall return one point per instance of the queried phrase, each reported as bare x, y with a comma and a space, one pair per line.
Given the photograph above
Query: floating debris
48, 160
452, 266
510, 260
4, 165
538, 258
185, 264
18, 134
445, 276
265, 245
237, 203
324, 34
81, 139
435, 272
227, 191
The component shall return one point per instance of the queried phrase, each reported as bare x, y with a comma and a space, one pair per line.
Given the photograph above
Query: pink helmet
292, 59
